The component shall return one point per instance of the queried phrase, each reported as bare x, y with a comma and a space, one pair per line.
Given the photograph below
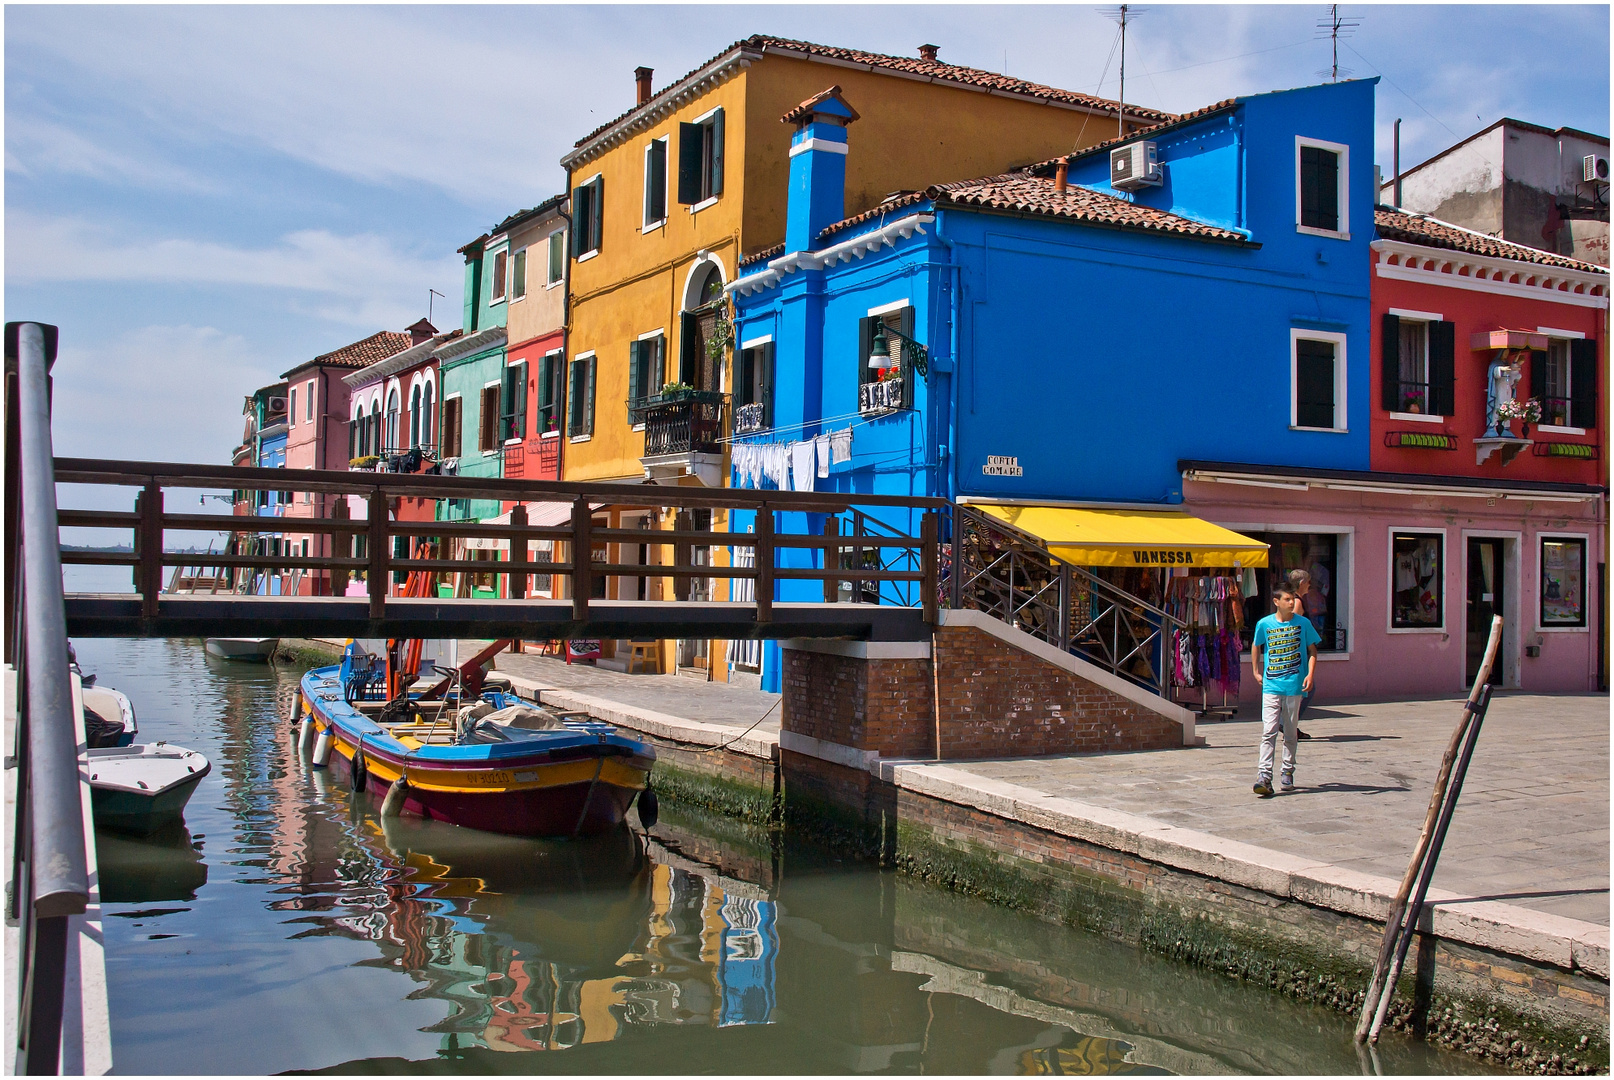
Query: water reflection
291, 929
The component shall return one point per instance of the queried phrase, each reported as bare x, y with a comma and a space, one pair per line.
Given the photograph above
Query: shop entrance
1485, 599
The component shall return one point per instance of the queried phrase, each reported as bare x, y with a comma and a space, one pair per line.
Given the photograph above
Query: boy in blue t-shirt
1284, 647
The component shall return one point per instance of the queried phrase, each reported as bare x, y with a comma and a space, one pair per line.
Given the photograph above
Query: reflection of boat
143, 787
259, 649
468, 761
164, 865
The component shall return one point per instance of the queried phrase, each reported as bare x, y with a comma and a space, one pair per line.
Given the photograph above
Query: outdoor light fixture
880, 350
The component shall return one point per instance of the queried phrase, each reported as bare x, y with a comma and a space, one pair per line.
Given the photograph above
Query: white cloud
361, 280
36, 146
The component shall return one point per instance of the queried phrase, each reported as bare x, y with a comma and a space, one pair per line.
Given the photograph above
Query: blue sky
202, 197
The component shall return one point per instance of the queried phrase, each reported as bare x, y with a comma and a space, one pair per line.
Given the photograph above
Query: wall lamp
912, 351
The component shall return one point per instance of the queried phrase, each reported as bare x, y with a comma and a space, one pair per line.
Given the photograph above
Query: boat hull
137, 812
256, 650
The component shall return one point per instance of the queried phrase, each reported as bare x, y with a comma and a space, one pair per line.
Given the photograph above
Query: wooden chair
647, 652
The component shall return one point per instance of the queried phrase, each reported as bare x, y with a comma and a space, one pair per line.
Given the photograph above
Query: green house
471, 373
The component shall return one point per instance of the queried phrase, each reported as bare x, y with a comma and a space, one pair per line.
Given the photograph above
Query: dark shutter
596, 210
655, 182
588, 396
1314, 384
865, 341
909, 375
746, 363
717, 153
690, 140
580, 229
1583, 384
1390, 365
635, 387
764, 384
688, 361
1538, 375
1442, 368
521, 401
507, 404
658, 365
574, 400
1319, 188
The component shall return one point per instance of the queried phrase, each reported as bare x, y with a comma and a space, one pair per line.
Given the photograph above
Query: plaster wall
1463, 186
543, 309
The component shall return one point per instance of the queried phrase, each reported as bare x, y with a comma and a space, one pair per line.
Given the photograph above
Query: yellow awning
1131, 537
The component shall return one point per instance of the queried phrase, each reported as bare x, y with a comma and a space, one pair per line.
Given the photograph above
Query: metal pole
1397, 164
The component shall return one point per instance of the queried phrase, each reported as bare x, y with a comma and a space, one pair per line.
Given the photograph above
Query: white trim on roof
1429, 265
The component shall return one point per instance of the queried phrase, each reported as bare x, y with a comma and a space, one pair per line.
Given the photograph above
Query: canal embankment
1168, 849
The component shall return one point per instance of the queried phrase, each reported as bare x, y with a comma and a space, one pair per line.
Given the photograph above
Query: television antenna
1335, 28
430, 293
1122, 15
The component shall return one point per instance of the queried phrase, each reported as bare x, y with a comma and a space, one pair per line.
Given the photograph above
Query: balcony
887, 395
538, 458
683, 433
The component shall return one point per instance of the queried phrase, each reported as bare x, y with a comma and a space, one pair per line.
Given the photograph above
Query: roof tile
1432, 232
365, 352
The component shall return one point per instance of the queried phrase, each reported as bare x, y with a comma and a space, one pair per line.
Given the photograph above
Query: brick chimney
641, 77
421, 331
928, 52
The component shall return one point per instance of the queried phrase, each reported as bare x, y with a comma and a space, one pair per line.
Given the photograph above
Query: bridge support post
764, 565
341, 546
832, 559
582, 560
378, 554
519, 551
927, 560
151, 549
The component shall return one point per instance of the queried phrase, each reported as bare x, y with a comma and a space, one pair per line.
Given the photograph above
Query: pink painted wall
1384, 664
317, 443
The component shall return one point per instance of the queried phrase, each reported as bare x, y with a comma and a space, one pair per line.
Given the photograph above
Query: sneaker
1263, 786
1288, 782
1301, 734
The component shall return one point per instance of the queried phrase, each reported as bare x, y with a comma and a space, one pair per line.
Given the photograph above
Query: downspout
951, 473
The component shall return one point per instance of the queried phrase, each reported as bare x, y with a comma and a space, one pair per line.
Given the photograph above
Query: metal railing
691, 423
49, 874
1011, 576
750, 418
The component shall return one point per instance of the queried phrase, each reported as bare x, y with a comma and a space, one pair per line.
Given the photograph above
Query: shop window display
1318, 555
1417, 575
1563, 582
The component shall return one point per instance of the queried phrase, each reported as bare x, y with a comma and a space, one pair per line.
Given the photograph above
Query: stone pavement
1531, 829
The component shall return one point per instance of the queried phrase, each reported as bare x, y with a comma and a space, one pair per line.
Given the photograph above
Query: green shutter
521, 401
1583, 384
635, 384
765, 384
589, 396
580, 197
597, 214
690, 139
717, 153
1442, 368
1390, 362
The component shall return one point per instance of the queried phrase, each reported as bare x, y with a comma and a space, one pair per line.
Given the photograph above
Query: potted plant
1528, 411
676, 391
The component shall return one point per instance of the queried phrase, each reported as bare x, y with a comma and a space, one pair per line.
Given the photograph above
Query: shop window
1419, 365
700, 159
1322, 188
1320, 555
1563, 581
1417, 581
1317, 365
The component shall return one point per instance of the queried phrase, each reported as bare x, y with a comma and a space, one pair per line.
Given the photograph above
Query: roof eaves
1150, 132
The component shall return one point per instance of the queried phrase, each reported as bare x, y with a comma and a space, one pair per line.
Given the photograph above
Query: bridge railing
570, 528
49, 869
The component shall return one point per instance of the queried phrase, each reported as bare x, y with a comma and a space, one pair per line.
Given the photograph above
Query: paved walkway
1531, 829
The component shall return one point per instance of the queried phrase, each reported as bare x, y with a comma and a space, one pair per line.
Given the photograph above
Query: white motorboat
109, 718
143, 787
258, 649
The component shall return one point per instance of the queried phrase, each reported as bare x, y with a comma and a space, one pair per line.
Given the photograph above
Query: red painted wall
1473, 312
537, 458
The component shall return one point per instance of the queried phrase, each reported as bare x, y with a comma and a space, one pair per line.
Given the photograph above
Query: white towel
821, 451
840, 446
744, 457
802, 467
776, 465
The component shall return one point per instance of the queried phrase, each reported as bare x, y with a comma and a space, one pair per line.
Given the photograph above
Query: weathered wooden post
341, 546
582, 560
764, 565
378, 554
518, 552
927, 563
151, 548
832, 559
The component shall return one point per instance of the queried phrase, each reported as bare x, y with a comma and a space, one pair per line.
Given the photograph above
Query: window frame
513, 424
487, 420
1341, 416
1585, 624
713, 160
498, 260
555, 385
594, 225
557, 242
1342, 183
580, 407
650, 224
291, 406
518, 274
1391, 535
635, 413
1425, 318
308, 405
1342, 597
1562, 337
453, 406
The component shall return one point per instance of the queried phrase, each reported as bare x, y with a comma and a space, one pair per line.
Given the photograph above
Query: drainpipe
1397, 190
951, 473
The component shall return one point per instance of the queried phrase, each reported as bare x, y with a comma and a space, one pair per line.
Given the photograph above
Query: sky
202, 197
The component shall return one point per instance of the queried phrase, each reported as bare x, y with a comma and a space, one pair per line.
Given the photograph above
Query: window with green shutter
557, 256
1319, 188
1314, 402
518, 275
580, 398
700, 159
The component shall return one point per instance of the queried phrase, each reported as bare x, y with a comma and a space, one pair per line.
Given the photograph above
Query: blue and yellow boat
482, 759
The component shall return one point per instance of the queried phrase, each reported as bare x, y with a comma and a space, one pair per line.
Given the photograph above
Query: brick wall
998, 701
880, 705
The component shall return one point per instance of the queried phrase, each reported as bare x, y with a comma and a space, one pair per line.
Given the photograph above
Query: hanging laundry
840, 446
803, 468
776, 464
821, 452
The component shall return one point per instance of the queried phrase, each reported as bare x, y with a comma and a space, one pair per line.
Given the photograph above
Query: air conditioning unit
277, 404
1594, 168
1134, 166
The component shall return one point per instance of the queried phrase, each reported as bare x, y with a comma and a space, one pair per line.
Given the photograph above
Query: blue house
1070, 331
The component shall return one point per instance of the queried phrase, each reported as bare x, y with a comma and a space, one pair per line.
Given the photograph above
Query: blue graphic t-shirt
1284, 646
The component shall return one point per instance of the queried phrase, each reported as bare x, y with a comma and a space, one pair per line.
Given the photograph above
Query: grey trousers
1278, 709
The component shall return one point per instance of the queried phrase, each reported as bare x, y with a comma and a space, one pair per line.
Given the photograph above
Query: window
1564, 378
580, 402
587, 211
487, 427
1563, 581
557, 256
414, 416
428, 415
1419, 372
518, 275
394, 407
1318, 380
655, 183
513, 403
308, 402
1417, 580
753, 388
496, 293
1324, 557
551, 370
646, 373
700, 159
453, 417
883, 389
1322, 187
291, 411
355, 427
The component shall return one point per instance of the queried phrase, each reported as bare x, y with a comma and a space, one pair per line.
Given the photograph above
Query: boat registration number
502, 777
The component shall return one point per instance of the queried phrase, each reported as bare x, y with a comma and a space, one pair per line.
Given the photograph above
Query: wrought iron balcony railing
685, 422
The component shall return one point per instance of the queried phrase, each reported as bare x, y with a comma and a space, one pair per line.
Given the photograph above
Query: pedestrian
1284, 655
1300, 582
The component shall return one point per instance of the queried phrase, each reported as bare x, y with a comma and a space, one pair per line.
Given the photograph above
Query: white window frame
291, 407
756, 342
428, 385
1585, 582
1343, 181
579, 358
498, 447
308, 406
493, 258
446, 399
510, 274
1561, 429
703, 118
1344, 571
564, 258
525, 369
1425, 317
1444, 629
886, 309
1341, 413
649, 225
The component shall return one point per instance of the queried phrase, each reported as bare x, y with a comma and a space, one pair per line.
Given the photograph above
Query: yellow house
661, 216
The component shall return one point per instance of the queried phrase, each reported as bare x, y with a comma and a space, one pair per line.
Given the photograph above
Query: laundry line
856, 417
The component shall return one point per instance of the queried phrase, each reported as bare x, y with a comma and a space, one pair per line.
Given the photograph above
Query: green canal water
288, 928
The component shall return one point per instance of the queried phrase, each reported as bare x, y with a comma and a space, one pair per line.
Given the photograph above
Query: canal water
286, 927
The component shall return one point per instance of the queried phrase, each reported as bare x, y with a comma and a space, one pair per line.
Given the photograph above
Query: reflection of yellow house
662, 211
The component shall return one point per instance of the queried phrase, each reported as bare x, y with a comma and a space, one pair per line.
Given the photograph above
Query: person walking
1284, 656
1300, 582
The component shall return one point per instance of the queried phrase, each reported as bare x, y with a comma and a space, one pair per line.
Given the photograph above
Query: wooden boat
258, 649
469, 756
143, 787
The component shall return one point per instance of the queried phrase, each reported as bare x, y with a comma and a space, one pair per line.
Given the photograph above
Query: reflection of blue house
1081, 340
745, 964
271, 455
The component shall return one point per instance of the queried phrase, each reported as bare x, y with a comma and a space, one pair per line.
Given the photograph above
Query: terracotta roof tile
766, 253
364, 352
1432, 232
805, 109
1028, 194
911, 65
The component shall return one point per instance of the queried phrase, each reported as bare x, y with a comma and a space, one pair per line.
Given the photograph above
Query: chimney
817, 196
421, 331
1061, 173
641, 76
928, 52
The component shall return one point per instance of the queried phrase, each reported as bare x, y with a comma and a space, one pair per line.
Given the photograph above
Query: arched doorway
703, 299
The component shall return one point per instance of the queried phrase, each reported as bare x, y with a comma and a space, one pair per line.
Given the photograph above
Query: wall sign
999, 465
